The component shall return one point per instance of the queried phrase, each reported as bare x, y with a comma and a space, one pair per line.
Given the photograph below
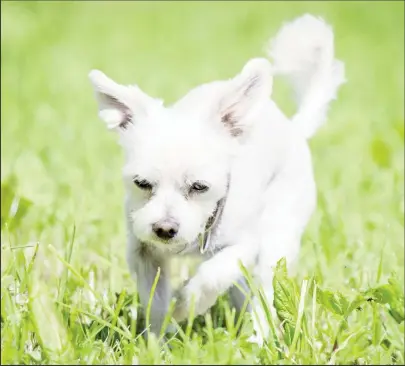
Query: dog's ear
118, 104
253, 85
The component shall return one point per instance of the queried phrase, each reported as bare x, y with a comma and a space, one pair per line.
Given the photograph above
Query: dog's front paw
195, 294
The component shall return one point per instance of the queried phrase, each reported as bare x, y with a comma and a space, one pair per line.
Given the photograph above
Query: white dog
222, 173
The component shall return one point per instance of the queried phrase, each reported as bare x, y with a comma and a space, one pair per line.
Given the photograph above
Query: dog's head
178, 158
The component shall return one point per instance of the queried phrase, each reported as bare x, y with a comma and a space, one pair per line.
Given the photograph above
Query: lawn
66, 293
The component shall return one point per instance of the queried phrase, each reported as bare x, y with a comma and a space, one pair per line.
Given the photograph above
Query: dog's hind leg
290, 201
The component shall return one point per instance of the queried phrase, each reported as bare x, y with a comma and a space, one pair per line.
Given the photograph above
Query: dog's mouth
172, 246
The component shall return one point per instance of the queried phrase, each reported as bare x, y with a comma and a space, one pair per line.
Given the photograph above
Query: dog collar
205, 237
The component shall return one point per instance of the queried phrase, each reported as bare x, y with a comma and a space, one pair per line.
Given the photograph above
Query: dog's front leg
213, 278
144, 266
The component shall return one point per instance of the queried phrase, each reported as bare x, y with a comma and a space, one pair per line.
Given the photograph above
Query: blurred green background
56, 154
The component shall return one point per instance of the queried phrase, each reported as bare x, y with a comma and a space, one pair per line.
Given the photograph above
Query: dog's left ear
253, 85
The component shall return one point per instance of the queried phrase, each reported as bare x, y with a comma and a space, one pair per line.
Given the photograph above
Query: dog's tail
303, 50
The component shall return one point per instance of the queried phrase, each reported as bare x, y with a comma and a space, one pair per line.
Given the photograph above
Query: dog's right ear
118, 104
247, 89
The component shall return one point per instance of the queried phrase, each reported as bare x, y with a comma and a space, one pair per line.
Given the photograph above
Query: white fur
219, 130
304, 51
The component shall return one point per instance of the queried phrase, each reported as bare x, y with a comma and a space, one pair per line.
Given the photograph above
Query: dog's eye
199, 187
143, 184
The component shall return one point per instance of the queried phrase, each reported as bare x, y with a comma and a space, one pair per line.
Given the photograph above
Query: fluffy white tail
303, 50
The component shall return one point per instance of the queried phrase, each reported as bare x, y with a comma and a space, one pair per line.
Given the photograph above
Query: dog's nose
165, 229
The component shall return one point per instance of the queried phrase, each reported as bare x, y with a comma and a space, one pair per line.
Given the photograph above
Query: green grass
62, 227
